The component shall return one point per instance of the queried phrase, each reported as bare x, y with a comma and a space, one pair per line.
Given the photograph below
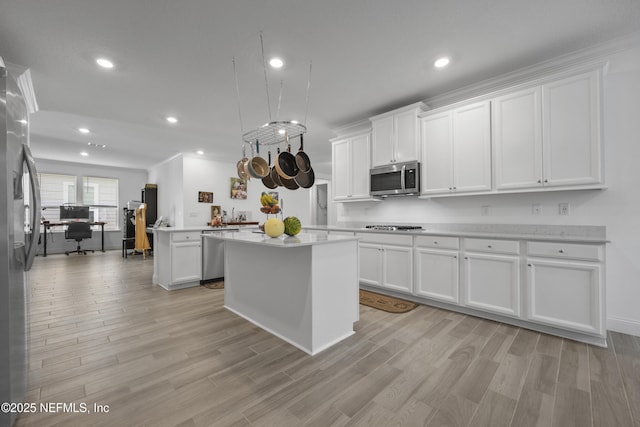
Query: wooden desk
48, 225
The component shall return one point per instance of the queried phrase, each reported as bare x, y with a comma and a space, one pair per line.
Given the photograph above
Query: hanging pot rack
275, 132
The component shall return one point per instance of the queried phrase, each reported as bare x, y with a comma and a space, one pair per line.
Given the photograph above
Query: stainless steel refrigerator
19, 233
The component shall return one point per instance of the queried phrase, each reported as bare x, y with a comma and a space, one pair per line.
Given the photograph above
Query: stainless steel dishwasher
213, 256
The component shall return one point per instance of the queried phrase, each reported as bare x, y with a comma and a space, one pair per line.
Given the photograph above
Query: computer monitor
68, 212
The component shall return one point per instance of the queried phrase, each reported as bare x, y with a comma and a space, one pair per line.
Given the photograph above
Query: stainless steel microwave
398, 179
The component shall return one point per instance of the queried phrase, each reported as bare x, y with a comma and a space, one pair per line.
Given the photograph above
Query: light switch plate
563, 209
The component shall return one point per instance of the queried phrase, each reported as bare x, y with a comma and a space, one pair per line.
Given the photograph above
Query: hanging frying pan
286, 163
274, 172
243, 172
291, 184
306, 179
258, 167
267, 180
302, 160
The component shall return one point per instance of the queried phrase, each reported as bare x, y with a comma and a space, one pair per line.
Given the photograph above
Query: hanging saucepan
243, 172
274, 172
258, 167
306, 179
302, 160
267, 181
291, 184
286, 163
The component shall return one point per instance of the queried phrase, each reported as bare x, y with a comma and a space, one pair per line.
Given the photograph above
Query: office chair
78, 231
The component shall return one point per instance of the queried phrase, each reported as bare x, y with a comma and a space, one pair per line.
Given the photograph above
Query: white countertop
302, 239
193, 228
568, 234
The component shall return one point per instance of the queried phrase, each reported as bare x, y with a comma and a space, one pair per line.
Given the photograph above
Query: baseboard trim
623, 325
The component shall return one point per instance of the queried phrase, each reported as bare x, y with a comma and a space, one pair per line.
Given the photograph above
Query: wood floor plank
101, 332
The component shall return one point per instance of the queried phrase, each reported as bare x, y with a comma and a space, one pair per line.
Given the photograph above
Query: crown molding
588, 58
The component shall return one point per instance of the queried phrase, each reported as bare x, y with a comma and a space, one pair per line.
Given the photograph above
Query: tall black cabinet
150, 197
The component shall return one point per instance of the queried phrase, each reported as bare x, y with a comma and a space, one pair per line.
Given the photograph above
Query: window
100, 194
56, 190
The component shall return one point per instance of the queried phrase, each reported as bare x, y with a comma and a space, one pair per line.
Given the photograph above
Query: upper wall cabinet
549, 135
395, 136
351, 162
456, 150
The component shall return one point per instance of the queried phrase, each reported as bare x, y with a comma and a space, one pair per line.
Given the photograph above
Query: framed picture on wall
216, 211
238, 188
205, 197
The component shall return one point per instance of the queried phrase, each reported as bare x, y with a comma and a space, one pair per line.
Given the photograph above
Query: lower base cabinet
386, 261
186, 262
492, 283
565, 294
437, 274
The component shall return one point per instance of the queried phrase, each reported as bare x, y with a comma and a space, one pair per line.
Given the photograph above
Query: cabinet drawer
185, 236
444, 242
386, 239
565, 250
493, 245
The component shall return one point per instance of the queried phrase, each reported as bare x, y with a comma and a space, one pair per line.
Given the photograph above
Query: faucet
233, 214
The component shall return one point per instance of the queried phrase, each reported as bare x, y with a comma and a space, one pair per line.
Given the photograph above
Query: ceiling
362, 57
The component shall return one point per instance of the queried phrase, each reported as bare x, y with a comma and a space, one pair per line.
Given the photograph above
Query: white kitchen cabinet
386, 261
565, 286
572, 148
456, 150
517, 139
491, 280
549, 135
395, 136
437, 268
177, 258
186, 262
351, 163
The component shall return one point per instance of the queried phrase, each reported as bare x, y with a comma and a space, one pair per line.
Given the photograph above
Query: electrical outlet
484, 210
563, 208
536, 209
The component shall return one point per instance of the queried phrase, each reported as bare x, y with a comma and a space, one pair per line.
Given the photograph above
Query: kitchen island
303, 289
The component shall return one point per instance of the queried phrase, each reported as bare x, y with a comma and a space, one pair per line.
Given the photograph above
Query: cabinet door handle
455, 257
489, 246
546, 180
435, 242
539, 181
466, 257
561, 251
528, 265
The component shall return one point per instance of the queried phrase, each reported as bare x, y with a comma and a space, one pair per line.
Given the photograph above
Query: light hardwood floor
102, 333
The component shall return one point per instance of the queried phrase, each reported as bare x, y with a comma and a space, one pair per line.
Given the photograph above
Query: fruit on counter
274, 227
265, 209
267, 200
274, 209
292, 225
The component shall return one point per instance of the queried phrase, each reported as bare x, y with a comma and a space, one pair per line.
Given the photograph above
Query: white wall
617, 208
168, 176
181, 178
131, 182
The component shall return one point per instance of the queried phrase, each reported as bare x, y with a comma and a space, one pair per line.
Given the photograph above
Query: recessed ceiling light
172, 120
200, 152
84, 130
104, 63
276, 62
441, 62
84, 153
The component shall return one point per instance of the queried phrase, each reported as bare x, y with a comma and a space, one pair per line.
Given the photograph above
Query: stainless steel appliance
19, 233
398, 179
213, 256
394, 227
